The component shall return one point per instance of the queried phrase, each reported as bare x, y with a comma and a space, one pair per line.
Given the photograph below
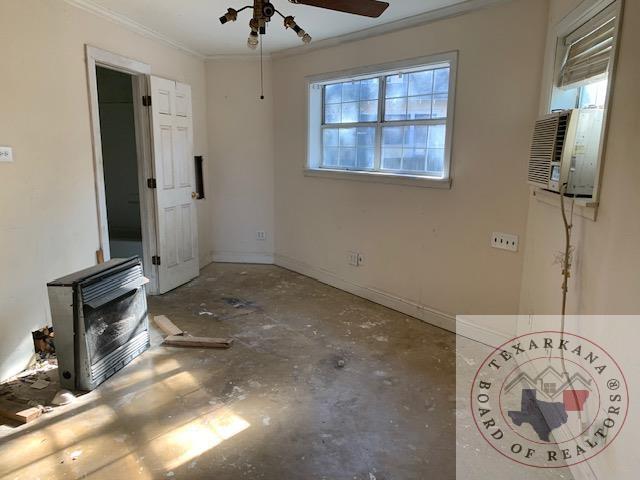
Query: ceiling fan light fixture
230, 16
253, 41
289, 22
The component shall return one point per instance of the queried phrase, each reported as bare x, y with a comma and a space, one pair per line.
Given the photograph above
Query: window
584, 65
583, 62
392, 121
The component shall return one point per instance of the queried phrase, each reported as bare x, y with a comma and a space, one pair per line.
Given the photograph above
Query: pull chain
261, 70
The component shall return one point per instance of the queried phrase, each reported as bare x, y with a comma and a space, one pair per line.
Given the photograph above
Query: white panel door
172, 126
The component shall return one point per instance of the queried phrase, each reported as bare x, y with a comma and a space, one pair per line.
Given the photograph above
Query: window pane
331, 156
593, 94
404, 143
436, 136
351, 92
397, 86
439, 106
330, 137
350, 112
348, 137
441, 80
367, 137
421, 83
435, 160
332, 113
396, 109
365, 157
392, 158
348, 157
415, 136
414, 159
369, 111
369, 89
392, 136
333, 93
419, 108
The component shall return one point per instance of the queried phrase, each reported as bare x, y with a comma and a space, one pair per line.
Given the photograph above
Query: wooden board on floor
18, 412
199, 342
167, 326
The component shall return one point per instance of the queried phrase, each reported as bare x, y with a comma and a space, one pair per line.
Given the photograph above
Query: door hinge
151, 183
155, 260
146, 100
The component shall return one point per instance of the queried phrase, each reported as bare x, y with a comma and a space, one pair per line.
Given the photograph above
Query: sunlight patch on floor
199, 436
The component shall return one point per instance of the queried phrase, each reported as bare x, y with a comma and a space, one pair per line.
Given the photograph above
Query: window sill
585, 207
376, 177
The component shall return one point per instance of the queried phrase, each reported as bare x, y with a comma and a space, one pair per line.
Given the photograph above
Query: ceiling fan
264, 10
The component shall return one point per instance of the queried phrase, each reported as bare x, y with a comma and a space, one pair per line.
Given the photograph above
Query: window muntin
394, 122
351, 102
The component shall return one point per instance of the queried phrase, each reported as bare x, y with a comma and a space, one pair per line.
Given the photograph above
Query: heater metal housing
100, 318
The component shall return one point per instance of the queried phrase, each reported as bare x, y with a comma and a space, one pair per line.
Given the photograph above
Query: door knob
194, 195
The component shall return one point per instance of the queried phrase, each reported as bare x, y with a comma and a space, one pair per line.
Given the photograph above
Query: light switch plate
6, 154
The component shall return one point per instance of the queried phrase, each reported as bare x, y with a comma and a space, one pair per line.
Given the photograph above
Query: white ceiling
194, 24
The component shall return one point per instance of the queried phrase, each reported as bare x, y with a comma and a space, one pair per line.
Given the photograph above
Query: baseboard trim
421, 312
241, 257
489, 337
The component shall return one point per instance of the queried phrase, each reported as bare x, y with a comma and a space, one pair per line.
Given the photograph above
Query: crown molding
123, 21
247, 57
410, 22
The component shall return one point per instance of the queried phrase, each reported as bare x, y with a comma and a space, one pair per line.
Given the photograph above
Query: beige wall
242, 152
606, 274
426, 246
48, 221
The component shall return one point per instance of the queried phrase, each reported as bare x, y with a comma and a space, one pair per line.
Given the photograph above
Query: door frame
96, 57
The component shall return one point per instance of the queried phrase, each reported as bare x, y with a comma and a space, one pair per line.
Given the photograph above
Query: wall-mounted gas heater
565, 150
100, 319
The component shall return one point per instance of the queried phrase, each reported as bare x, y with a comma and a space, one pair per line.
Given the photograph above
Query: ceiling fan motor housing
268, 10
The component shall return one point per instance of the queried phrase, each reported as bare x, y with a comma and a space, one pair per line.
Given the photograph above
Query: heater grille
548, 141
112, 285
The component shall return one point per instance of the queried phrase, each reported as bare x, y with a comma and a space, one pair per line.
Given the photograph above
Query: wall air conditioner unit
565, 150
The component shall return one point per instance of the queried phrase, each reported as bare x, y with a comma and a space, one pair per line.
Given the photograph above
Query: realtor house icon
539, 399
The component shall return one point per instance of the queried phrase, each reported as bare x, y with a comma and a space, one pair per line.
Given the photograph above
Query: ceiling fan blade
366, 8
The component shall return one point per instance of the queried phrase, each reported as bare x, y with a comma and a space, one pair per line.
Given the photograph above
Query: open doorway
142, 129
123, 159
120, 162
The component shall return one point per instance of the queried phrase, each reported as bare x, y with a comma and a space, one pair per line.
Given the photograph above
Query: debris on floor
17, 412
237, 302
43, 340
167, 326
40, 384
200, 342
63, 397
178, 338
26, 396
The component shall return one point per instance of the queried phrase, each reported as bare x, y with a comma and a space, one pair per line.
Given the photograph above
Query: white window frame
555, 49
315, 116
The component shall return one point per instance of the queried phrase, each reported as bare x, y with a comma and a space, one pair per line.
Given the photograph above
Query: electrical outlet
261, 235
354, 259
504, 241
360, 259
6, 154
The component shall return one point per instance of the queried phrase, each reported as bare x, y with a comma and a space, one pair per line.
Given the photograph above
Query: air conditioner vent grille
548, 141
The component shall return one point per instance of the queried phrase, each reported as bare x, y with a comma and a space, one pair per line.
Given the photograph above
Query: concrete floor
475, 458
275, 406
